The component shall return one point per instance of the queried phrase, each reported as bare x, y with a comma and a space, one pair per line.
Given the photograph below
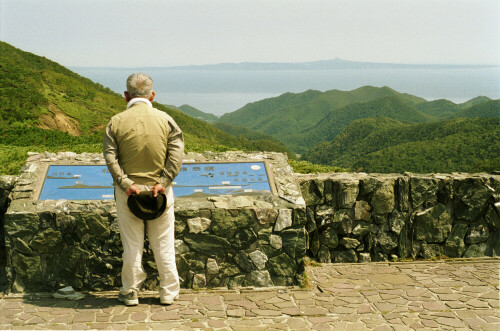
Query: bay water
223, 91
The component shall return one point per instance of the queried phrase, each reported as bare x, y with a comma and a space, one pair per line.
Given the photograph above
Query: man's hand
134, 189
158, 188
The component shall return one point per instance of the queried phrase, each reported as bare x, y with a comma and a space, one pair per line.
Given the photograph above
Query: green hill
385, 145
441, 108
329, 127
196, 113
488, 109
474, 101
289, 113
46, 107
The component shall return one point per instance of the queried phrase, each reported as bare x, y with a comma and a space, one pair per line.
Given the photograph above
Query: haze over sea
222, 91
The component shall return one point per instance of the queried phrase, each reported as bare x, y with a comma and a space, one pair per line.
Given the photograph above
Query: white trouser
161, 238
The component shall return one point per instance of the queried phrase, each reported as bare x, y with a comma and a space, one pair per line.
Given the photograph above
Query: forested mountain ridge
45, 106
386, 145
336, 120
291, 113
196, 113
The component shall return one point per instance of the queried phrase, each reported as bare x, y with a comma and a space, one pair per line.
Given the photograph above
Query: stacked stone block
362, 218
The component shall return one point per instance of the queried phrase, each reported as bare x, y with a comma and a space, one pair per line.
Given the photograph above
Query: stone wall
221, 241
6, 185
362, 218
232, 241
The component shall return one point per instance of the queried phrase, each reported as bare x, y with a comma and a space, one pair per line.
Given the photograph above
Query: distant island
333, 64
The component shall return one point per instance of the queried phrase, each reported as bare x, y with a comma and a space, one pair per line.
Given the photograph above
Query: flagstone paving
445, 295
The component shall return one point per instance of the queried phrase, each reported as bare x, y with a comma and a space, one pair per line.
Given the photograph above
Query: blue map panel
200, 179
77, 182
93, 182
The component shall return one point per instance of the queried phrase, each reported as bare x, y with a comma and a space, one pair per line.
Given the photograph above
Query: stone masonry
375, 217
239, 241
221, 241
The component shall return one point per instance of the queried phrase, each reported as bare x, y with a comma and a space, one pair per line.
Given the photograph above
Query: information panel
94, 182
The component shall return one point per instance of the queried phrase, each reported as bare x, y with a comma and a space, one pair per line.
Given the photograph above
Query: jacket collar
138, 100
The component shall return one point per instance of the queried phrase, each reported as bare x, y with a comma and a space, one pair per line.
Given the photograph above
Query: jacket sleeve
175, 154
110, 151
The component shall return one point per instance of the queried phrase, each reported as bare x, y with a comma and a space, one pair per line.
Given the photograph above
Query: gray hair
139, 85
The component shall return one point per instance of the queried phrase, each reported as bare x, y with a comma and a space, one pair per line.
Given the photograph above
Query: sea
223, 91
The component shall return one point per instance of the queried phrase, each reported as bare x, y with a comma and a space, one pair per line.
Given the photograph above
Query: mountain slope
331, 125
385, 145
489, 109
196, 113
44, 106
289, 113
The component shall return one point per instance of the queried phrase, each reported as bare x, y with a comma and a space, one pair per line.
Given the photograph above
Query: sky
125, 33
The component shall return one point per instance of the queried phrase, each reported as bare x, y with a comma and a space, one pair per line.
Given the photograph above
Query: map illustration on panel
77, 182
202, 179
94, 182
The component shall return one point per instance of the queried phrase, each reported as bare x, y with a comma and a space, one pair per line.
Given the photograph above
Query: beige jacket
143, 145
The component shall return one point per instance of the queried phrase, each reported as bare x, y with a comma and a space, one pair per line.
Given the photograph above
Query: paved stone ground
380, 296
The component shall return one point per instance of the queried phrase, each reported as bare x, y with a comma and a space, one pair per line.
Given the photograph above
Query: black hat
145, 206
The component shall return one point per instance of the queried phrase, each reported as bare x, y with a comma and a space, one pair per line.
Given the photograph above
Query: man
143, 148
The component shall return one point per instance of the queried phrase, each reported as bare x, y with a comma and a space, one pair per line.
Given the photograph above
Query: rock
345, 256
362, 211
478, 233
241, 201
224, 224
199, 281
386, 241
275, 241
368, 186
198, 224
180, 247
299, 217
21, 225
244, 262
455, 245
362, 229
470, 197
493, 216
349, 243
212, 267
311, 220
329, 238
347, 193
180, 226
423, 191
433, 225
207, 244
259, 279
294, 242
475, 250
282, 265
364, 258
284, 220
397, 221
243, 238
47, 241
343, 220
329, 191
259, 259
324, 214
379, 257
96, 225
430, 251
324, 255
312, 192
265, 215
28, 270
403, 184
21, 246
383, 198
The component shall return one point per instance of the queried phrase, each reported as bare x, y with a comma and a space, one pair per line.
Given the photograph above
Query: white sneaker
130, 299
168, 300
